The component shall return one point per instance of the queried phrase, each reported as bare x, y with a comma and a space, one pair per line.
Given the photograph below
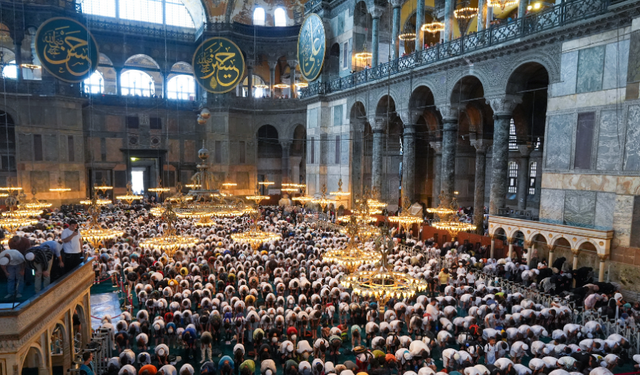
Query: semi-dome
242, 11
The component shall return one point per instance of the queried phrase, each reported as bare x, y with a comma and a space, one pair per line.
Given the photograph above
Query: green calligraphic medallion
218, 65
66, 49
312, 42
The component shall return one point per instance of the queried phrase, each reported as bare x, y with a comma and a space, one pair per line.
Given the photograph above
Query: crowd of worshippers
42, 254
221, 307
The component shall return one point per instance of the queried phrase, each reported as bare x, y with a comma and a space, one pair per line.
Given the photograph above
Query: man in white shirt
72, 246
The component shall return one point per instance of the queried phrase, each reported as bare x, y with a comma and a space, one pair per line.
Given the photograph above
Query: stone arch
467, 87
148, 65
386, 105
530, 81
33, 358
109, 74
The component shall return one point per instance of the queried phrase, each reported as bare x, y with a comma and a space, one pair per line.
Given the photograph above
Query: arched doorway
269, 155
33, 362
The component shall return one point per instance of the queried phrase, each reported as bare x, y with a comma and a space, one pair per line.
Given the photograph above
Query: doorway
144, 174
137, 180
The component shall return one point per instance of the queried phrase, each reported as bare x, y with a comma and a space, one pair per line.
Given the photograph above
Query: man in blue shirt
87, 367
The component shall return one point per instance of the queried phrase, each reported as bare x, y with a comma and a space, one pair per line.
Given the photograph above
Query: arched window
94, 84
171, 12
259, 17
137, 83
181, 87
280, 17
513, 177
10, 71
513, 139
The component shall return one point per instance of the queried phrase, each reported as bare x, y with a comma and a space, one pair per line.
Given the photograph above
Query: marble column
118, 81
481, 14
509, 253
419, 22
575, 252
437, 172
293, 64
18, 58
493, 246
529, 246
522, 8
449, 145
602, 258
502, 109
395, 28
449, 6
523, 176
286, 148
378, 127
551, 248
409, 162
249, 81
357, 136
272, 77
376, 13
481, 146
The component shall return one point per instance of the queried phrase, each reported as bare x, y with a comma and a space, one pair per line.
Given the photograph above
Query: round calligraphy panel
218, 65
66, 49
312, 41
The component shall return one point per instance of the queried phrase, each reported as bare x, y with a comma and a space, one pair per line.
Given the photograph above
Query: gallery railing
554, 17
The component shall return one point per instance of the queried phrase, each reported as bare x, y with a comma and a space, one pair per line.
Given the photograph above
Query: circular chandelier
129, 197
352, 256
61, 188
323, 201
281, 86
405, 219
502, 3
290, 187
93, 232
302, 84
433, 27
383, 283
407, 34
170, 242
447, 217
340, 193
255, 236
303, 198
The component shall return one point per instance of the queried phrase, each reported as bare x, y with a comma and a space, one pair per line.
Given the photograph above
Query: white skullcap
30, 257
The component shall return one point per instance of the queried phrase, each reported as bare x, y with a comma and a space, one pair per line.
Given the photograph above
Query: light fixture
447, 217
170, 242
281, 86
464, 14
228, 185
93, 232
99, 202
60, 188
129, 197
261, 86
266, 183
340, 193
323, 201
205, 113
302, 84
405, 219
133, 158
255, 236
501, 3
407, 34
30, 66
383, 283
433, 27
352, 256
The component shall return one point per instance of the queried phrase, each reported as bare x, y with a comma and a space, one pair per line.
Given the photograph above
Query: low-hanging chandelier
169, 242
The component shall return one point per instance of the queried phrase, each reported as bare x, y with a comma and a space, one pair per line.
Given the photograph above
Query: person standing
87, 367
12, 263
40, 258
72, 246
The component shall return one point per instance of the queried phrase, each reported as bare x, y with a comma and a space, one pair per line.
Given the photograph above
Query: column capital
376, 11
528, 244
603, 257
378, 123
437, 146
396, 3
285, 143
481, 145
504, 105
410, 116
409, 129
249, 63
292, 63
575, 252
449, 112
525, 149
272, 64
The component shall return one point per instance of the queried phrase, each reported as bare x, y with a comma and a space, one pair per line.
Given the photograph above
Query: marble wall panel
622, 220
605, 206
634, 235
616, 61
590, 69
632, 148
633, 68
559, 129
337, 115
40, 180
609, 141
312, 120
50, 146
72, 180
25, 147
552, 205
579, 208
568, 75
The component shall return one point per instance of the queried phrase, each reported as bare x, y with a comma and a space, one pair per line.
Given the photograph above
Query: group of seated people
222, 307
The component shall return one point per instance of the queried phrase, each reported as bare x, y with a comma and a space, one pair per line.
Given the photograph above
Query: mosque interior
524, 114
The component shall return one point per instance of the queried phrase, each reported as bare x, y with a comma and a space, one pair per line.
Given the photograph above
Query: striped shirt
42, 255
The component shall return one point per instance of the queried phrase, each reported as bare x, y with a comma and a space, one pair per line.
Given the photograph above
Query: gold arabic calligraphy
63, 47
312, 51
217, 63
